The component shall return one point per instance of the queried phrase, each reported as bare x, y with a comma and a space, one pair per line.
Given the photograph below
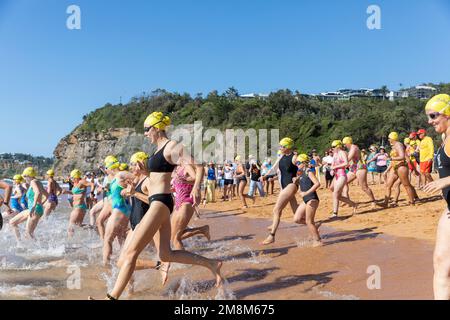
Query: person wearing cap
5, 201
53, 190
111, 169
380, 159
308, 185
372, 165
438, 112
36, 194
288, 171
410, 146
399, 170
228, 173
426, 150
211, 174
357, 170
18, 193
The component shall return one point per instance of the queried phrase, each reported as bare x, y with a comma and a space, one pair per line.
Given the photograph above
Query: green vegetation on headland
12, 164
311, 122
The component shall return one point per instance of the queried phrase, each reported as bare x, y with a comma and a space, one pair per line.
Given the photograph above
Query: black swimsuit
138, 208
158, 163
305, 185
288, 170
443, 166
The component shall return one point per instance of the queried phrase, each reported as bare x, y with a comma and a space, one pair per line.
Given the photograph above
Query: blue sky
51, 76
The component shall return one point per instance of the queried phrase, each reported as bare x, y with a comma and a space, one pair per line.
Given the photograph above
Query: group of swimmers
139, 208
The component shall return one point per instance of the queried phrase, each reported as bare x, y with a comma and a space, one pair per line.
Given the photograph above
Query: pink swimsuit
182, 189
341, 171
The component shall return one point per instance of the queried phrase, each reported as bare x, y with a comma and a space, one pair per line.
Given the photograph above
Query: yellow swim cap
237, 158
18, 178
29, 172
407, 141
110, 159
347, 140
157, 120
439, 103
393, 136
123, 167
303, 158
76, 174
336, 143
51, 173
288, 143
139, 157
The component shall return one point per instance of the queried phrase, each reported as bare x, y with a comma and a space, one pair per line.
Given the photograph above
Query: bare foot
164, 271
206, 233
270, 239
317, 243
216, 270
355, 208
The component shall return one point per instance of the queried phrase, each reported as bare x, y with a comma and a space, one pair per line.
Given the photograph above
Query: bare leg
403, 176
441, 259
362, 180
14, 222
241, 188
158, 218
96, 209
102, 217
283, 199
76, 216
115, 225
32, 223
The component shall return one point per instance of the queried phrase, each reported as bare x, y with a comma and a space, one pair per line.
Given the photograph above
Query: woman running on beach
53, 190
79, 208
399, 170
183, 182
36, 195
138, 193
5, 201
18, 193
117, 225
111, 169
340, 162
358, 170
438, 112
309, 183
412, 163
288, 171
168, 155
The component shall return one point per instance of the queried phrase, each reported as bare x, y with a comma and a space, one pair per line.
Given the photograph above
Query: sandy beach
396, 241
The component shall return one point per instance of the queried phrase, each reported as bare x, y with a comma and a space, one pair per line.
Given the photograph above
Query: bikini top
158, 163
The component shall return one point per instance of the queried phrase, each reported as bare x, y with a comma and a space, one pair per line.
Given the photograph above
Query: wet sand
397, 241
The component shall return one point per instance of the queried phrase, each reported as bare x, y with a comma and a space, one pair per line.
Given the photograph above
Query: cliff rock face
86, 151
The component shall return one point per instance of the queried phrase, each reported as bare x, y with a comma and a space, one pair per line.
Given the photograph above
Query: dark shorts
381, 169
228, 182
328, 175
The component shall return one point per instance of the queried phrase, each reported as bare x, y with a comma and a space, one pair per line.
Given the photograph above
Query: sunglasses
147, 129
433, 116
